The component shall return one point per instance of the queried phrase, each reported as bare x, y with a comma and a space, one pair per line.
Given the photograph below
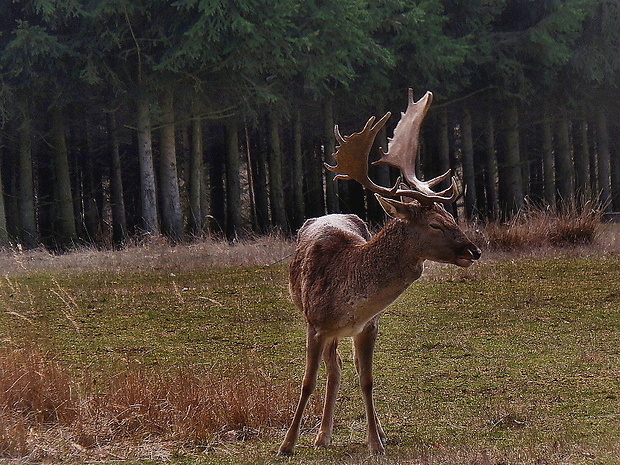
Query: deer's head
423, 213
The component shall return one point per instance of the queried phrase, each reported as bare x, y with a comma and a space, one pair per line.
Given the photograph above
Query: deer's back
322, 263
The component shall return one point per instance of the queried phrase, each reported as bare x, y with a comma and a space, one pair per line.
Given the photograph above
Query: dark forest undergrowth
194, 353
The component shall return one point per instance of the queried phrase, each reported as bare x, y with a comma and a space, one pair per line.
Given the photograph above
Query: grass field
513, 361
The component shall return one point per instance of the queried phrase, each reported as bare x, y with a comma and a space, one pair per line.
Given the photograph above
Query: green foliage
596, 59
30, 52
275, 51
425, 53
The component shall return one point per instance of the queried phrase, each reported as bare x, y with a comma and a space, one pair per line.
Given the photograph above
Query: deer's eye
436, 227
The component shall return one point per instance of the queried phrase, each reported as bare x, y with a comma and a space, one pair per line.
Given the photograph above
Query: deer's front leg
333, 363
314, 349
364, 344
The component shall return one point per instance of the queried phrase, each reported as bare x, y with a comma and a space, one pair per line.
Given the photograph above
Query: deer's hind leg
364, 344
333, 364
314, 348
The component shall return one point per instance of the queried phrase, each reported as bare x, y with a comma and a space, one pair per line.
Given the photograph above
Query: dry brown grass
531, 231
46, 414
153, 253
536, 228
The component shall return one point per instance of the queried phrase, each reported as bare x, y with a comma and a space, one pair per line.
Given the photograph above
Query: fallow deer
342, 279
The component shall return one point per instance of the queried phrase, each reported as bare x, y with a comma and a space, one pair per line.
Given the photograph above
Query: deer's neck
391, 258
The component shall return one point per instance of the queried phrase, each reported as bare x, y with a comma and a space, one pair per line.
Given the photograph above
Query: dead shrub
568, 225
191, 405
13, 435
185, 404
36, 387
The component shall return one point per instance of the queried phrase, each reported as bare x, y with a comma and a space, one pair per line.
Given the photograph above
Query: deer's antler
352, 156
403, 151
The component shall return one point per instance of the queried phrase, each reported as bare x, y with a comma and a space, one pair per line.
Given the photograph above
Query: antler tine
403, 151
352, 156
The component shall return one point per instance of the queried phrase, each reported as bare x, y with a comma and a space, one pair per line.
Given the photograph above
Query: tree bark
297, 173
233, 181
148, 198
329, 147
513, 180
548, 159
276, 188
257, 152
313, 182
604, 159
27, 213
119, 216
172, 215
582, 161
91, 191
65, 225
491, 169
4, 232
469, 173
216, 159
196, 175
614, 158
380, 173
615, 182
444, 153
565, 177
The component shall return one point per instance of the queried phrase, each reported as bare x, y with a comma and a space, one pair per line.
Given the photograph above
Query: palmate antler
353, 152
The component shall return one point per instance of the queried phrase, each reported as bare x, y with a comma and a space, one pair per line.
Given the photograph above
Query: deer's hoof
376, 449
322, 440
286, 450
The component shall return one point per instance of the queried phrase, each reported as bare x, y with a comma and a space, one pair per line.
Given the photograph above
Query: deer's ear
394, 208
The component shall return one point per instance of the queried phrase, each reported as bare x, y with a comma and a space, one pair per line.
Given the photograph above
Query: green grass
514, 361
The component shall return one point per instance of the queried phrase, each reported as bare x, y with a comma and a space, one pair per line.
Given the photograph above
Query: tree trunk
91, 189
329, 147
513, 181
65, 225
216, 160
297, 173
469, 173
196, 175
615, 182
150, 221
604, 159
565, 179
205, 193
233, 181
313, 182
444, 153
491, 169
582, 161
4, 232
615, 174
257, 152
592, 148
27, 213
548, 159
380, 173
172, 215
119, 216
276, 188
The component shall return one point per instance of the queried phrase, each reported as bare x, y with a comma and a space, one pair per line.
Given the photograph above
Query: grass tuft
184, 404
536, 227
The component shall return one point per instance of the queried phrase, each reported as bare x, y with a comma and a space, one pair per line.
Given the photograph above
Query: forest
123, 118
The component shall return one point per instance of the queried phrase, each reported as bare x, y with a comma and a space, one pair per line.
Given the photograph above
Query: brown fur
341, 278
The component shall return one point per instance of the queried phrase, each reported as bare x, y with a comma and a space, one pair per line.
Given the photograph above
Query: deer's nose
476, 253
